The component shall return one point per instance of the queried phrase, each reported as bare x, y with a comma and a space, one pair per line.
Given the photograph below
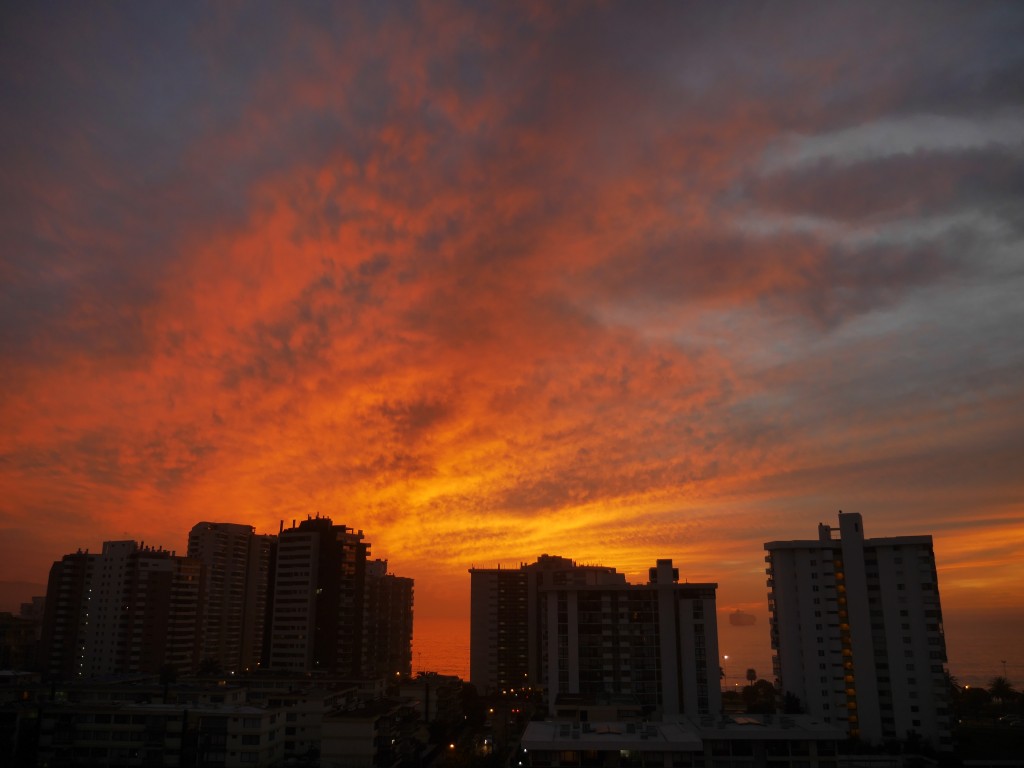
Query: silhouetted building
584, 629
129, 609
380, 734
389, 600
499, 629
319, 612
438, 697
17, 643
236, 573
856, 626
64, 620
685, 742
107, 733
505, 620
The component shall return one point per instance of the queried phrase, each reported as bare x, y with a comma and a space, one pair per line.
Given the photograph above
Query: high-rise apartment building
303, 601
856, 627
499, 629
319, 612
64, 622
236, 581
389, 600
505, 620
575, 629
128, 609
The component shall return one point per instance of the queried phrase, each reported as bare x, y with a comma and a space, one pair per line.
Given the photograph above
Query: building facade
499, 629
236, 584
156, 734
319, 611
389, 601
505, 618
584, 630
64, 622
856, 629
130, 608
688, 742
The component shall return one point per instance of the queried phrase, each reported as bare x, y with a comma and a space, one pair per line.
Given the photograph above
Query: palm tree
1001, 689
953, 682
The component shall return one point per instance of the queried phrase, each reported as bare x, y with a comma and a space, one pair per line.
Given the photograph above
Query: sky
612, 281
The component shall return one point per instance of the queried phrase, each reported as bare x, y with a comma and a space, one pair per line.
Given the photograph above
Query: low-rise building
709, 741
380, 734
134, 734
438, 697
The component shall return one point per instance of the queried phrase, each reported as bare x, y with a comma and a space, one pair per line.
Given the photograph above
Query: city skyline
210, 542
610, 283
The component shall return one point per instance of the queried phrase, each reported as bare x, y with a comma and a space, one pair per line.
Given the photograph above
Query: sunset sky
616, 282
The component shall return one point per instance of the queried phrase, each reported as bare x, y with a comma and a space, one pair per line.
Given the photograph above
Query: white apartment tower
856, 627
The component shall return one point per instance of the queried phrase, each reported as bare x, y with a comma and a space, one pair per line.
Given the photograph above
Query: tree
955, 692
974, 702
791, 704
953, 682
760, 698
1000, 688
